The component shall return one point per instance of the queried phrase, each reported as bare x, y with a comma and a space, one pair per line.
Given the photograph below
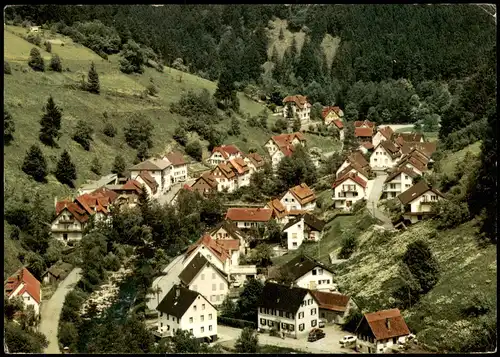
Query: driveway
51, 311
328, 344
376, 187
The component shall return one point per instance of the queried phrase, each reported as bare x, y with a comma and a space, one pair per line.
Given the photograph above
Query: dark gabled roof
230, 228
416, 191
282, 297
177, 305
399, 171
313, 222
193, 268
390, 148
301, 265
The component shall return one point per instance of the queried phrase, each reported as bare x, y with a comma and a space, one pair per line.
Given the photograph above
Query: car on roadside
321, 323
347, 340
315, 334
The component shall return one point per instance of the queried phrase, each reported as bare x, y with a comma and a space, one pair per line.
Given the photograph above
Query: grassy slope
27, 93
450, 163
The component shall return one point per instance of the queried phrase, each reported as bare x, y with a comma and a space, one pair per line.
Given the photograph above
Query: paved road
168, 197
51, 311
329, 344
377, 185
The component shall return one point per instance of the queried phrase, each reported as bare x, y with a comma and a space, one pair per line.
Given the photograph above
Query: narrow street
51, 311
329, 344
168, 197
377, 185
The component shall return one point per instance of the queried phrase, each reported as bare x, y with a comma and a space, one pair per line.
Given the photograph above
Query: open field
454, 158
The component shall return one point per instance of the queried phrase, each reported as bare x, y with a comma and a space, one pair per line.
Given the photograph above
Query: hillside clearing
454, 158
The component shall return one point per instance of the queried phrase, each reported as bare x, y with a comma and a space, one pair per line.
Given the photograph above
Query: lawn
454, 158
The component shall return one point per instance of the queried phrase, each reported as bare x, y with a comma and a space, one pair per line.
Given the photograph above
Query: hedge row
235, 322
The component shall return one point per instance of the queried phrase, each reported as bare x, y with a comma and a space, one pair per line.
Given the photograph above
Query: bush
194, 150
109, 130
48, 46
359, 205
6, 68
36, 61
139, 131
195, 104
349, 244
180, 136
226, 321
68, 334
422, 265
55, 63
34, 39
450, 214
151, 90
83, 134
112, 262
352, 321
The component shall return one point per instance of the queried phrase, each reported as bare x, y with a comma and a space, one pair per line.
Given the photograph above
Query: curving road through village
51, 311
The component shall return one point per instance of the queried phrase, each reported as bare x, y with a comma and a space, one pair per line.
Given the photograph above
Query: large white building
300, 107
417, 201
398, 181
187, 310
224, 153
154, 174
280, 146
385, 155
179, 171
300, 197
246, 218
25, 286
305, 227
293, 311
309, 273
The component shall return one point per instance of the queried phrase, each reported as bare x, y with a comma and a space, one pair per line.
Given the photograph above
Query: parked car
347, 340
315, 334
321, 323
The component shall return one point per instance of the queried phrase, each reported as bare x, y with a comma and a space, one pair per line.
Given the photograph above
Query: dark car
315, 334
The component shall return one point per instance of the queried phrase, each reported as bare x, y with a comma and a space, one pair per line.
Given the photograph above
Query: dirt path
51, 311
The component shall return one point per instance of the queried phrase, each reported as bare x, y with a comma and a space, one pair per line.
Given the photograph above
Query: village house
128, 193
56, 273
289, 310
255, 162
333, 307
228, 230
379, 331
154, 174
366, 147
355, 168
202, 276
383, 133
226, 178
339, 125
187, 310
306, 227
300, 107
24, 285
72, 216
242, 171
205, 184
417, 201
348, 190
357, 161
280, 214
424, 148
91, 186
179, 166
309, 273
400, 180
221, 154
363, 130
280, 146
299, 197
414, 161
401, 138
332, 114
385, 155
246, 218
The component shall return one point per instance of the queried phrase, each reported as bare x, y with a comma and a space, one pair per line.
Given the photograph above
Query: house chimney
388, 323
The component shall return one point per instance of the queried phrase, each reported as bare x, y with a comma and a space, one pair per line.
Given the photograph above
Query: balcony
69, 220
66, 229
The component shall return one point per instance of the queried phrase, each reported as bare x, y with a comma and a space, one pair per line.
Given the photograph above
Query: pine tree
35, 164
93, 78
83, 134
226, 91
51, 123
142, 152
55, 63
65, 170
36, 61
9, 127
119, 166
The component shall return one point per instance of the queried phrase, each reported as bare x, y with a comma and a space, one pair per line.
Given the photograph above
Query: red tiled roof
239, 165
407, 137
211, 245
225, 170
228, 244
327, 110
359, 123
284, 140
132, 185
299, 100
256, 159
279, 210
363, 132
338, 124
227, 150
331, 301
249, 214
367, 145
386, 132
416, 191
31, 284
352, 166
106, 193
187, 187
358, 158
176, 158
303, 193
351, 176
387, 324
400, 170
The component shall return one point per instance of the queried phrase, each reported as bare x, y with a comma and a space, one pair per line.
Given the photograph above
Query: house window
161, 314
210, 328
323, 314
202, 276
394, 339
213, 275
294, 244
214, 287
202, 329
168, 317
161, 324
202, 318
212, 298
191, 330
302, 327
313, 311
263, 322
203, 306
294, 235
221, 286
194, 307
392, 185
314, 272
168, 327
406, 177
190, 320
65, 236
313, 323
281, 313
433, 198
301, 315
269, 323
210, 316
320, 271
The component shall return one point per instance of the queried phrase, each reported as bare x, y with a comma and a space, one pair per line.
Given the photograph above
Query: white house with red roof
379, 331
255, 162
347, 190
280, 146
299, 197
179, 166
72, 216
383, 133
24, 285
154, 174
331, 114
246, 218
299, 106
226, 178
221, 154
386, 155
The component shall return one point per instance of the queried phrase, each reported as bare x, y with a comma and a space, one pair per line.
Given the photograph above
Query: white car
346, 340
